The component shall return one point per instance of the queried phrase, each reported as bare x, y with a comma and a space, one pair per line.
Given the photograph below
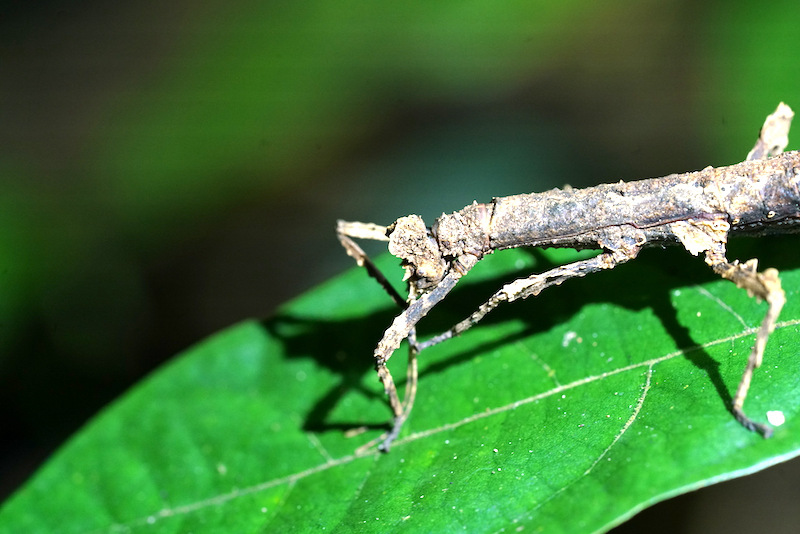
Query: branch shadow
634, 286
345, 346
645, 283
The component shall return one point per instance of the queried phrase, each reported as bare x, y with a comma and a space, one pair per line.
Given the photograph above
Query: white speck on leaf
776, 417
568, 336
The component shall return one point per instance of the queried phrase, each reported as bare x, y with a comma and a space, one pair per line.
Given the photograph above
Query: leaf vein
292, 479
721, 303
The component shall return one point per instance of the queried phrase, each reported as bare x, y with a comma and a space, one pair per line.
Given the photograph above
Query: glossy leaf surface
564, 413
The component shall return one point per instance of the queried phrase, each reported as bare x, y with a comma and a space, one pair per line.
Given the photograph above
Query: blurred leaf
749, 64
564, 413
256, 95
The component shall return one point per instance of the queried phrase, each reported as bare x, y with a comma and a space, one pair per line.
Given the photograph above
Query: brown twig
697, 210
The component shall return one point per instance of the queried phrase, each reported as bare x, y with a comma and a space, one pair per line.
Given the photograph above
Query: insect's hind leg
764, 286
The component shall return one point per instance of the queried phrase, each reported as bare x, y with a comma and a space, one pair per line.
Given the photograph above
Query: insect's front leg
347, 232
403, 327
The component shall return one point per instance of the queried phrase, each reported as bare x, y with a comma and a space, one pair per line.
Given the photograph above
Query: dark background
170, 168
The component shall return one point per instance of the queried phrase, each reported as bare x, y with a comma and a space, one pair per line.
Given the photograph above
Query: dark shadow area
345, 347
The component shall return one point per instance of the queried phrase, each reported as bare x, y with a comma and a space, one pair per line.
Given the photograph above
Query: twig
697, 210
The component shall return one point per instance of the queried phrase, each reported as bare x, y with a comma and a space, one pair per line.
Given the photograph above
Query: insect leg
403, 328
774, 135
764, 286
412, 373
346, 232
532, 286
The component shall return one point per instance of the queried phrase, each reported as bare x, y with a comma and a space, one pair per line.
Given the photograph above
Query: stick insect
697, 210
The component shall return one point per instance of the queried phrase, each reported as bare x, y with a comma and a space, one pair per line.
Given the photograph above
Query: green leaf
564, 413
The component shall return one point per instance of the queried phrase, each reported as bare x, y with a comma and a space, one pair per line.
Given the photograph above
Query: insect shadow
644, 284
345, 346
341, 346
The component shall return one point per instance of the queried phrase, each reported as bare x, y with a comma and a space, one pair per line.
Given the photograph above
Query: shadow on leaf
346, 346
